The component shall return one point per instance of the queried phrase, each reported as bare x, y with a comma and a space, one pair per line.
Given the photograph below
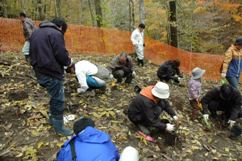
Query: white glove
80, 90
205, 117
110, 76
223, 75
231, 123
175, 118
133, 74
170, 127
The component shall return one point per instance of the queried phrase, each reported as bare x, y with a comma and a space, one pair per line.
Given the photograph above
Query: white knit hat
129, 154
161, 90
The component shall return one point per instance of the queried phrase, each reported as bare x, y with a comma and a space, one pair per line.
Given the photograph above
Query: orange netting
91, 40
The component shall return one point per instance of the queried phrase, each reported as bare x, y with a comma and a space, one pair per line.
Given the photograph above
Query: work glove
110, 76
170, 127
175, 118
223, 75
133, 73
231, 123
205, 117
80, 90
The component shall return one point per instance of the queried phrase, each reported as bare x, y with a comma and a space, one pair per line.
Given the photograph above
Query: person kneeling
122, 67
225, 99
145, 109
89, 75
169, 70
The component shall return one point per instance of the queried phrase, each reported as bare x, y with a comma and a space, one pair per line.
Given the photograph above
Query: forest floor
26, 135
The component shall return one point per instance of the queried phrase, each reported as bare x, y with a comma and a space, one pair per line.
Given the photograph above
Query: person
137, 38
224, 98
48, 56
122, 67
91, 144
232, 64
145, 109
89, 75
169, 70
194, 90
28, 29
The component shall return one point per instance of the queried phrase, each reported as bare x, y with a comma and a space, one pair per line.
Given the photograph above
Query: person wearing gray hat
232, 64
194, 89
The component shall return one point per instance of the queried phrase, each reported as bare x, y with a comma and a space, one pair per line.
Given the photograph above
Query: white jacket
137, 37
83, 69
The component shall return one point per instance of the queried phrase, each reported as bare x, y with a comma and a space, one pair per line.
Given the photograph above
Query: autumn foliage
91, 40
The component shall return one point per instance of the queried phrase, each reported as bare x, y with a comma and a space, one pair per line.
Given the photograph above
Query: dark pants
233, 81
55, 89
120, 74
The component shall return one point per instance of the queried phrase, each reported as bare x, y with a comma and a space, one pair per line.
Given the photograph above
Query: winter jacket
90, 145
232, 64
137, 37
232, 106
127, 67
145, 110
167, 71
194, 89
28, 28
48, 54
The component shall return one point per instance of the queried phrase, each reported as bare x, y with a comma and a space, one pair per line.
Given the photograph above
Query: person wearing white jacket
137, 38
89, 75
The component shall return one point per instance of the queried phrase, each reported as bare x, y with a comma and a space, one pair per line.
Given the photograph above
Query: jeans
95, 83
233, 81
55, 89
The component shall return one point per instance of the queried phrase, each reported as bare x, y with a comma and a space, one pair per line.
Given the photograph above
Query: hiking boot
59, 127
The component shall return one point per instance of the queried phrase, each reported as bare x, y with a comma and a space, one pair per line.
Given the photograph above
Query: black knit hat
81, 124
238, 41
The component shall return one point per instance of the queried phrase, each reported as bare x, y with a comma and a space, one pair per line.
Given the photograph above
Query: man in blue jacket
48, 56
89, 144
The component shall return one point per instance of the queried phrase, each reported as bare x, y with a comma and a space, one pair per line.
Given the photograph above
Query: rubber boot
58, 125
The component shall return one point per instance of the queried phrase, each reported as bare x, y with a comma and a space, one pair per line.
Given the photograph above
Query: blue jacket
48, 54
90, 145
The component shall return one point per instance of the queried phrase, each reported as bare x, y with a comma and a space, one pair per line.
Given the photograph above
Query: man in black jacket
224, 98
146, 108
169, 70
48, 56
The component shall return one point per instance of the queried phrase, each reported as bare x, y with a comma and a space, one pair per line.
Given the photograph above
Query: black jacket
48, 54
168, 70
231, 106
146, 112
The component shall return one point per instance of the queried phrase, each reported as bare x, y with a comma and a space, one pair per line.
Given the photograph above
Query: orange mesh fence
91, 40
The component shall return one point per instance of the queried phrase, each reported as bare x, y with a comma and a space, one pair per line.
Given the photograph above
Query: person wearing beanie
194, 90
122, 67
28, 29
232, 64
169, 70
48, 56
226, 99
145, 109
137, 38
89, 75
88, 144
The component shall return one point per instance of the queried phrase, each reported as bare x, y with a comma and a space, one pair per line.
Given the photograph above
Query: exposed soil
26, 135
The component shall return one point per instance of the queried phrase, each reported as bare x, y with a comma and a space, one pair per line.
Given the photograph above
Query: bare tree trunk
131, 15
91, 13
3, 8
141, 11
58, 8
173, 27
98, 10
81, 12
40, 10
